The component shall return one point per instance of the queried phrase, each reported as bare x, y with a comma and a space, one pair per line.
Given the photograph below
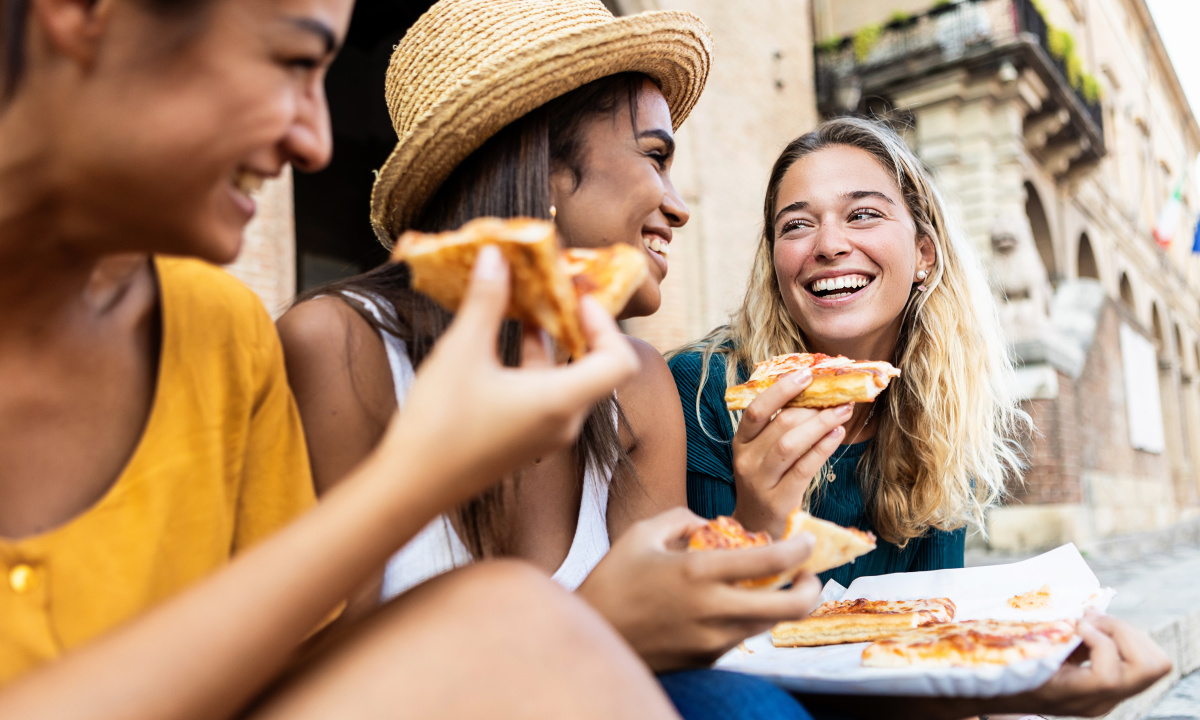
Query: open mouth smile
657, 245
842, 286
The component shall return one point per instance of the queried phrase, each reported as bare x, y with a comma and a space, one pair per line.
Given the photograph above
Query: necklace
832, 475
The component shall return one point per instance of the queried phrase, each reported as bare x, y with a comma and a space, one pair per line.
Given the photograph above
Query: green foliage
898, 17
865, 39
1061, 43
942, 3
829, 45
1091, 89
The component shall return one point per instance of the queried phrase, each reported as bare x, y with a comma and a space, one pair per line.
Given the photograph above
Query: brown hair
508, 176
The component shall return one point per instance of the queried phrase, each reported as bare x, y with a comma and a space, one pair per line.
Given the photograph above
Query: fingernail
838, 431
488, 263
844, 409
802, 376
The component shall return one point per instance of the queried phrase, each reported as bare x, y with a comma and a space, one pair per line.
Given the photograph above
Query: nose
830, 240
309, 140
675, 208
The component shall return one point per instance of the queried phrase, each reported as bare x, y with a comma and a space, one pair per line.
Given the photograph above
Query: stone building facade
1057, 129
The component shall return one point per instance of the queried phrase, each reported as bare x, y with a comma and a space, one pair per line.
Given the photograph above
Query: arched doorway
1085, 265
1040, 226
1127, 294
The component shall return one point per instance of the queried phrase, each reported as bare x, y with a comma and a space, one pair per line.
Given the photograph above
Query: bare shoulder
339, 372
647, 392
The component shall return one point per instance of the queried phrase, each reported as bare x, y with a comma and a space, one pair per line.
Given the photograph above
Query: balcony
983, 37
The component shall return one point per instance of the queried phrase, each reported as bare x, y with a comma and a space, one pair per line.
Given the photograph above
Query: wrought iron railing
943, 34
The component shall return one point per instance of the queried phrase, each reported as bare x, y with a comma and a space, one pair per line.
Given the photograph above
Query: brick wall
267, 262
1085, 430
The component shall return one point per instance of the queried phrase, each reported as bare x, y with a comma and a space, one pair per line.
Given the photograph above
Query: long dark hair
509, 176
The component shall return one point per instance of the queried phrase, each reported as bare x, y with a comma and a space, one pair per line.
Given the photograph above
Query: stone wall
267, 262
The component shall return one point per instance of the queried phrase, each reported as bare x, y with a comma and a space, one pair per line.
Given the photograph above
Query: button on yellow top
21, 578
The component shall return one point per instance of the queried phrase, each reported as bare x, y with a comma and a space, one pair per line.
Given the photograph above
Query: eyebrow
854, 195
662, 135
318, 28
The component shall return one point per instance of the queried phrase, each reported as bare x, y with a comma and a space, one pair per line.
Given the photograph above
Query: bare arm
208, 651
658, 446
338, 371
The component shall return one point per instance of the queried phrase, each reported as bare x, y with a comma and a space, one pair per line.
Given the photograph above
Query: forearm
209, 650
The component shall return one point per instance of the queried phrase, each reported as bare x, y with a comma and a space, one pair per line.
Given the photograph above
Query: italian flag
1168, 218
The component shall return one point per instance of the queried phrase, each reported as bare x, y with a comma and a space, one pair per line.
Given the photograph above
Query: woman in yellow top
146, 430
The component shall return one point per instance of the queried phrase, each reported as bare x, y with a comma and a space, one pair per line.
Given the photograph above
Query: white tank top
438, 549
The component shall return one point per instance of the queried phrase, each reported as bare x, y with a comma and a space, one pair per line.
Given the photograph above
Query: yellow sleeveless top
221, 464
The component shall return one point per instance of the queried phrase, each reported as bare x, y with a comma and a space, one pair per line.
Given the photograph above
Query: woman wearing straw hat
147, 432
552, 110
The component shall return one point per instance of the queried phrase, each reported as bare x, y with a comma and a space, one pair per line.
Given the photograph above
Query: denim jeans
713, 694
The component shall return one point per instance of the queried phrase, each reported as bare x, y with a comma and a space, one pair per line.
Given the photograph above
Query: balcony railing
964, 32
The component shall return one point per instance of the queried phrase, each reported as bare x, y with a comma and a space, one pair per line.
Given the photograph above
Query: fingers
770, 606
610, 362
486, 300
1102, 651
771, 401
1131, 644
806, 447
750, 563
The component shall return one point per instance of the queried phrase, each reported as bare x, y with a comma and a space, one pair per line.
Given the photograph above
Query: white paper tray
979, 592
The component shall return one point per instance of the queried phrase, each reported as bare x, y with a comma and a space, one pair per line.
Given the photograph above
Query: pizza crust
835, 545
850, 621
546, 280
836, 380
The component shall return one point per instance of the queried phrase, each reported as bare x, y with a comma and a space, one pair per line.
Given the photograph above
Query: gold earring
553, 212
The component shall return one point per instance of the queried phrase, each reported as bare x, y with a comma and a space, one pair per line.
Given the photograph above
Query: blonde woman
858, 258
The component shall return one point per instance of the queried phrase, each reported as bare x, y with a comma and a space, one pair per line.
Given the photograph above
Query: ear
72, 27
926, 253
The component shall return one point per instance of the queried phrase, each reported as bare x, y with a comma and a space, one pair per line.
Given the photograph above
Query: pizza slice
546, 281
969, 644
850, 621
835, 545
610, 274
836, 380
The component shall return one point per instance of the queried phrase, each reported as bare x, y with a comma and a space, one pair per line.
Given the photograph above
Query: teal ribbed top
711, 490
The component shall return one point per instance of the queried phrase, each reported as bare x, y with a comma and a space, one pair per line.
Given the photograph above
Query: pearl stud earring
922, 274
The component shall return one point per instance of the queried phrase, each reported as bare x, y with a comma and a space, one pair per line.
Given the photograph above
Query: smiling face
174, 120
846, 252
625, 194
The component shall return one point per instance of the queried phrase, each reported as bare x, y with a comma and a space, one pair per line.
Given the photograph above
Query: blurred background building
1058, 131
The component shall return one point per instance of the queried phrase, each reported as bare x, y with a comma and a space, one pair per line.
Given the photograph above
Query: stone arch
1177, 349
1127, 298
1040, 226
1085, 259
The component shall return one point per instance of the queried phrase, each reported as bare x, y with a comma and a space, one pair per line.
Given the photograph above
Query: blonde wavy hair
947, 442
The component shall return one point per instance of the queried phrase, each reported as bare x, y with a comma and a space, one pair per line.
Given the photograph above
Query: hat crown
455, 40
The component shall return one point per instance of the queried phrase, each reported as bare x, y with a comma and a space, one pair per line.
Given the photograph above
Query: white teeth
853, 282
656, 245
247, 182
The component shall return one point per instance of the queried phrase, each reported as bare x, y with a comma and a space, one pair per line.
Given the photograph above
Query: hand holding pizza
469, 420
776, 456
684, 609
1121, 660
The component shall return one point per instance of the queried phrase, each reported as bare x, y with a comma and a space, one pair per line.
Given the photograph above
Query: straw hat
467, 68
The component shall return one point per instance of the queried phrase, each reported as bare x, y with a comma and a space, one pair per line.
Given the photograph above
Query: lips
839, 286
248, 182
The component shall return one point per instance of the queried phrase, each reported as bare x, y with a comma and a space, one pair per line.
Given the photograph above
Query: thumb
486, 299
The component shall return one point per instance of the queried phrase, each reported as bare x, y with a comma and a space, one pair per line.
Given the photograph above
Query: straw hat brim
672, 47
